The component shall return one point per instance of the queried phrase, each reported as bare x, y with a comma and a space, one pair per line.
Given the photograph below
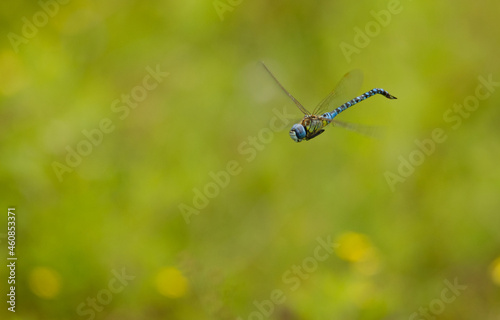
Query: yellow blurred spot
171, 283
495, 271
353, 246
45, 282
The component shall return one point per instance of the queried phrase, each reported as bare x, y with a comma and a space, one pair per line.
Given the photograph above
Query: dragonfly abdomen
360, 98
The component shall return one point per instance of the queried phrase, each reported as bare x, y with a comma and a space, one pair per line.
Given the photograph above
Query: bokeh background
392, 249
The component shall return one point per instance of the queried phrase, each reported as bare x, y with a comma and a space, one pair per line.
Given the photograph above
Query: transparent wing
346, 89
299, 105
369, 131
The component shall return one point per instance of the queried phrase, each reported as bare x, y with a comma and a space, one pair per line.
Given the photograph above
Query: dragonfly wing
299, 105
369, 131
346, 89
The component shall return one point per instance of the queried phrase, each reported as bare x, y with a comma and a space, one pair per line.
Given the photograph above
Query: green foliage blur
147, 154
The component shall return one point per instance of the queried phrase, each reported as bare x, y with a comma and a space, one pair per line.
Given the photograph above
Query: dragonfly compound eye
298, 132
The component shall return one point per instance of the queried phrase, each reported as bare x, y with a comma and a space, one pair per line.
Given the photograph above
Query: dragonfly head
298, 132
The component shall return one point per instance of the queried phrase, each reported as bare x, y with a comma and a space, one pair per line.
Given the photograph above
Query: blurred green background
250, 250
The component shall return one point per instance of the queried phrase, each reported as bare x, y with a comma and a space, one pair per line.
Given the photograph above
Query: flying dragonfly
313, 124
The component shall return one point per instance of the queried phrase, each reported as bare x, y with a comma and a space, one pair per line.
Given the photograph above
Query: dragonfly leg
314, 134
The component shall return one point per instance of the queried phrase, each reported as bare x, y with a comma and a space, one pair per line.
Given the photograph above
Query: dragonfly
313, 124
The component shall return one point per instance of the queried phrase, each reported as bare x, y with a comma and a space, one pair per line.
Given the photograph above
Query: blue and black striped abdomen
362, 97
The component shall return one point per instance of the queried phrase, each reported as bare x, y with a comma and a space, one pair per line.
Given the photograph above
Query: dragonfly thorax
308, 128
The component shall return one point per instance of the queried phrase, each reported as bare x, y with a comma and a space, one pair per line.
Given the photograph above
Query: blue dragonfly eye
298, 132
